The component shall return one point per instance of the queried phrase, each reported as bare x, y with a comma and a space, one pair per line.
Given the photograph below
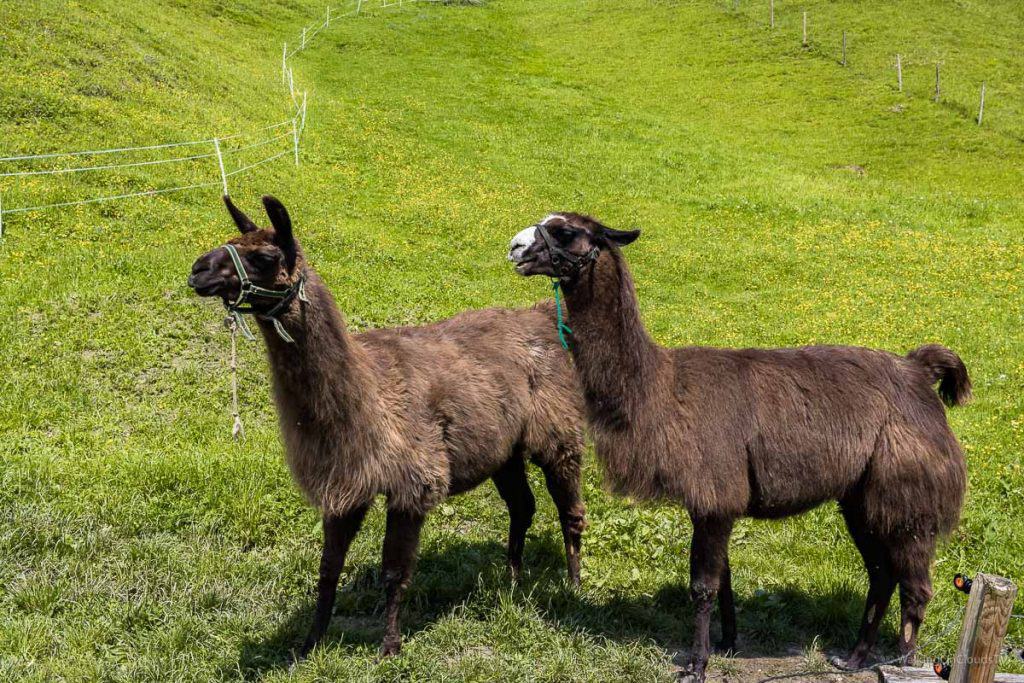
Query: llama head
564, 245
271, 258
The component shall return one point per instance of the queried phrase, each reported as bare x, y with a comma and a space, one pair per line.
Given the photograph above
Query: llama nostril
192, 280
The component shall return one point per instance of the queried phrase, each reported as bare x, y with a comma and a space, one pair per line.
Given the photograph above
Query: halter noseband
563, 261
247, 290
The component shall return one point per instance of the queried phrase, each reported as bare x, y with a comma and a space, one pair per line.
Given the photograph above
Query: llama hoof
843, 664
693, 673
725, 647
390, 648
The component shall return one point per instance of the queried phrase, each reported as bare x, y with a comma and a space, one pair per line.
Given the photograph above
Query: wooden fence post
899, 73
938, 90
985, 622
986, 619
981, 106
844, 48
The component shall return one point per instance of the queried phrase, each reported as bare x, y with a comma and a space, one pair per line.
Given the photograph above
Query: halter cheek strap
247, 290
563, 261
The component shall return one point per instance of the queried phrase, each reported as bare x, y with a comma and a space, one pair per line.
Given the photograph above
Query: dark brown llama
763, 433
416, 414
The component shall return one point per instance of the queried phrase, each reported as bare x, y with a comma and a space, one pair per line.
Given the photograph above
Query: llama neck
324, 375
615, 357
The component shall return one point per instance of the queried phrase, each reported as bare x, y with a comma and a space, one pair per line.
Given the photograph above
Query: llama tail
946, 368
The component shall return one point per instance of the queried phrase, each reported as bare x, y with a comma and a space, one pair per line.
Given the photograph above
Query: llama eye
562, 234
261, 258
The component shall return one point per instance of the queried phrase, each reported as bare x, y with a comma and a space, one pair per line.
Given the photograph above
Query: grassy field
139, 543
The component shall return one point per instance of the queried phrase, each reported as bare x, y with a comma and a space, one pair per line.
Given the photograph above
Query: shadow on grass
770, 624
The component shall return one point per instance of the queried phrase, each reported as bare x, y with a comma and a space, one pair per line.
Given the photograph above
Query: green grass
139, 543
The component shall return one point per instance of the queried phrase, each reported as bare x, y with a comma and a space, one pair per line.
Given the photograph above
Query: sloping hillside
784, 200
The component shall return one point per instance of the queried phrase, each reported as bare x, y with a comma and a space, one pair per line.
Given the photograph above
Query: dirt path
754, 669
803, 667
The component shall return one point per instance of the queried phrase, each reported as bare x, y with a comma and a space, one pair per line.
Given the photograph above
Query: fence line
142, 148
151, 162
802, 18
106, 167
145, 193
297, 123
258, 163
104, 151
280, 136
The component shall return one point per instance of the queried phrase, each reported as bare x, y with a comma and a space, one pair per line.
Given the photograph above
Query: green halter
247, 289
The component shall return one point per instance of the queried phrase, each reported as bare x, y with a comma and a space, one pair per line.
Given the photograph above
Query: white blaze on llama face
521, 242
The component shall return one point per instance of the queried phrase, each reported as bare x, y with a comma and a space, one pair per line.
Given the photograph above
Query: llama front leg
514, 489
401, 540
727, 608
564, 486
708, 558
338, 534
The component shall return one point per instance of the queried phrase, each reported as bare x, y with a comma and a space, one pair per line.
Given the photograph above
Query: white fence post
303, 37
804, 43
295, 139
284, 63
359, 5
220, 162
899, 73
981, 107
328, 24
303, 126
771, 13
1, 217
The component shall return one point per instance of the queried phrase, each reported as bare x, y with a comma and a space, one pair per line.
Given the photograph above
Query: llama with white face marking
763, 433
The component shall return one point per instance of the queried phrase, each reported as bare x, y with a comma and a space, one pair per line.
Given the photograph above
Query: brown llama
416, 414
763, 433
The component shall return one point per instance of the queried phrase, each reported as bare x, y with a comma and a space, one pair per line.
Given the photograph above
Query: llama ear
243, 222
620, 237
282, 223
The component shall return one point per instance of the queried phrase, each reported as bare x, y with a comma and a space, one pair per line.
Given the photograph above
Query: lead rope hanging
231, 322
562, 328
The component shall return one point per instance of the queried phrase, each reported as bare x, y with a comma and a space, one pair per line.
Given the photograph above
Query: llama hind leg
563, 482
338, 534
882, 583
514, 489
401, 540
708, 558
912, 562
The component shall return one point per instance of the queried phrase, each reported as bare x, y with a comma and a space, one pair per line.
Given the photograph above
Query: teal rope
563, 329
